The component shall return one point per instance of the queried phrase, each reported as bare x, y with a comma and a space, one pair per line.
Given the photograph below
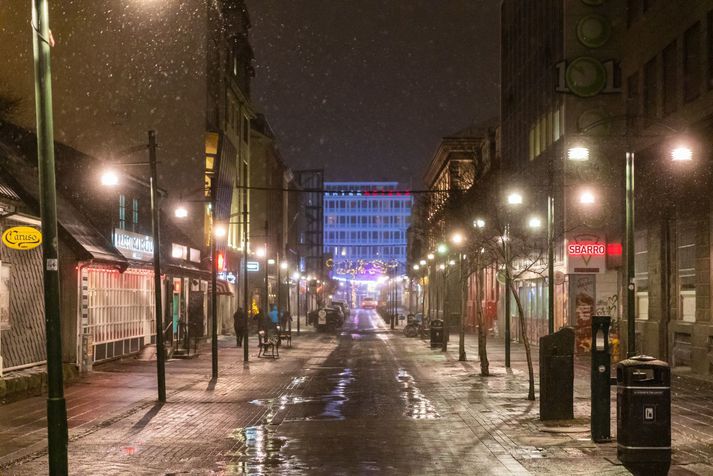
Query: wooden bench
284, 335
268, 343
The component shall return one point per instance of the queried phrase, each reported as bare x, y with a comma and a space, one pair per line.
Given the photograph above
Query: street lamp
586, 197
513, 199
479, 223
57, 436
111, 179
220, 231
457, 240
679, 153
181, 212
534, 223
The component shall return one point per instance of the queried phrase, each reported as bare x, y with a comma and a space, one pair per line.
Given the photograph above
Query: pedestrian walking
274, 315
239, 325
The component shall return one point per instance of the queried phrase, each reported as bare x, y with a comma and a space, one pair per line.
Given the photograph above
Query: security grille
118, 310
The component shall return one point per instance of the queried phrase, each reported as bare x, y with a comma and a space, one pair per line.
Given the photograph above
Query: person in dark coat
239, 325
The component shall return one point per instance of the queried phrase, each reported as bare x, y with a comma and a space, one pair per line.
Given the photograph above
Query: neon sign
586, 248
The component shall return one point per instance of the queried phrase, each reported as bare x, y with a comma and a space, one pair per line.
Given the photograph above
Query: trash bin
557, 375
643, 417
436, 333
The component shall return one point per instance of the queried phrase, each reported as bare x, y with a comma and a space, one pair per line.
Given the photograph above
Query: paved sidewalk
543, 449
109, 411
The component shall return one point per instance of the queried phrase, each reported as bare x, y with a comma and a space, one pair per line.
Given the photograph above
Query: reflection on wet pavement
417, 406
262, 452
336, 398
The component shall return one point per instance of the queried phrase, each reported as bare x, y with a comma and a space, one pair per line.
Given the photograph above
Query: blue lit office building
365, 229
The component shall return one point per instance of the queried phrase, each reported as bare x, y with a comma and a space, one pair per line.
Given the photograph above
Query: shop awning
222, 287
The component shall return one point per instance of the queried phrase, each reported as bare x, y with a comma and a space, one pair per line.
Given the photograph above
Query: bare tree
521, 255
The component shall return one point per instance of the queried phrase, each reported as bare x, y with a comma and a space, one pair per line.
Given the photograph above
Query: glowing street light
578, 154
284, 265
261, 252
515, 198
479, 223
271, 261
431, 256
110, 178
457, 238
586, 197
220, 231
441, 248
180, 212
682, 154
534, 223
422, 262
416, 267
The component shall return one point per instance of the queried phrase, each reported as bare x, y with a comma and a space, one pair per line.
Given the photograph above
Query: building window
134, 214
641, 261
670, 79
692, 63
650, 89
122, 212
686, 267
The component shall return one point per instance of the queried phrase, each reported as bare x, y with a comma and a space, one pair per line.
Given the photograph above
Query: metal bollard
601, 380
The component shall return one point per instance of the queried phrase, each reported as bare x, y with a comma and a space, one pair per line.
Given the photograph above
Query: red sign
221, 262
586, 248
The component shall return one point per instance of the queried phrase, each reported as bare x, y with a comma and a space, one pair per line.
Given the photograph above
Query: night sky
366, 88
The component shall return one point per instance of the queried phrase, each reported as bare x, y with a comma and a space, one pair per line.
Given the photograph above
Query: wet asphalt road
360, 411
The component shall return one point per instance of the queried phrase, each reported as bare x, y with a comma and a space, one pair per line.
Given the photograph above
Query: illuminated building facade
365, 227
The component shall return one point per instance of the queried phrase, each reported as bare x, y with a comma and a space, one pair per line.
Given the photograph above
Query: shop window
641, 274
686, 267
692, 63
670, 79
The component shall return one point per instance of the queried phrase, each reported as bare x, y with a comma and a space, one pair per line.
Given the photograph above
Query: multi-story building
560, 65
365, 227
667, 73
615, 78
180, 68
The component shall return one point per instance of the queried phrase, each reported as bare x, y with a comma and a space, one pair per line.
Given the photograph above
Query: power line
351, 193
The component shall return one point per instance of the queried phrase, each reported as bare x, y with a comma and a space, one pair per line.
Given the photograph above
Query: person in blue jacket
274, 315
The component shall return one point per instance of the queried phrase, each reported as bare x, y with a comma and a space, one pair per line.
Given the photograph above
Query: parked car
326, 319
343, 306
368, 303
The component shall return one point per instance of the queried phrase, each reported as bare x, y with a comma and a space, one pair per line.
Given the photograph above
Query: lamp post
679, 153
111, 179
431, 294
457, 240
513, 199
57, 436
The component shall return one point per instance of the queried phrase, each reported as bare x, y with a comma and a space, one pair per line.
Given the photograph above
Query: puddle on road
297, 382
260, 451
333, 401
417, 406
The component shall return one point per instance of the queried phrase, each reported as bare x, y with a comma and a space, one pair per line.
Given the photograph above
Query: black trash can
436, 333
643, 417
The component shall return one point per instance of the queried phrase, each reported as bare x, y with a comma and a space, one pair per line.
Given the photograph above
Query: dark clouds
366, 88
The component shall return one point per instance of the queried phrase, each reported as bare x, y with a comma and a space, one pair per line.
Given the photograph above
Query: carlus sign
22, 237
